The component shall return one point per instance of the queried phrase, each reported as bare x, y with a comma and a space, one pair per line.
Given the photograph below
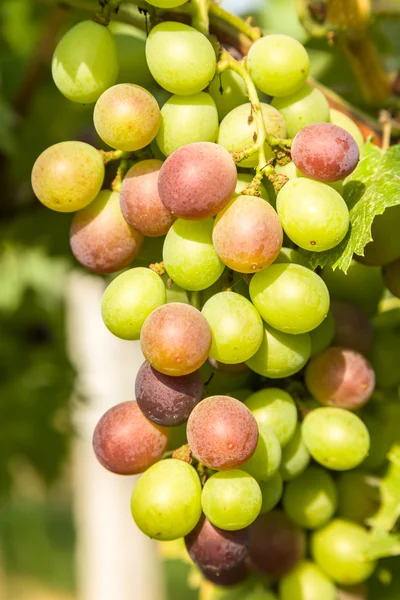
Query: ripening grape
85, 62
359, 496
306, 106
228, 90
166, 501
244, 180
197, 181
129, 299
339, 550
278, 64
131, 44
385, 247
335, 438
271, 491
322, 336
307, 582
275, 544
280, 354
325, 152
189, 255
140, 201
236, 327
292, 172
238, 131
231, 500
391, 277
384, 355
167, 400
127, 117
313, 215
127, 443
187, 120
222, 433
247, 234
166, 3
290, 298
341, 120
180, 58
352, 327
290, 255
68, 176
226, 578
295, 457
310, 500
101, 240
267, 457
176, 339
275, 409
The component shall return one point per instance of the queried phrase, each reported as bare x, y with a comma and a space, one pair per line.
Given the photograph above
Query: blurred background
65, 526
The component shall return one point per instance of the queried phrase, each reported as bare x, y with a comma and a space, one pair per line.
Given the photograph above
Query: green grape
378, 423
385, 247
310, 500
313, 215
189, 255
236, 327
231, 500
322, 336
290, 298
129, 299
185, 120
358, 496
338, 549
291, 171
278, 64
289, 255
362, 285
68, 176
237, 131
306, 106
271, 491
266, 459
131, 44
244, 180
307, 582
384, 355
166, 3
127, 117
336, 438
341, 120
221, 383
180, 58
280, 354
85, 62
228, 90
391, 277
166, 501
295, 457
276, 409
260, 595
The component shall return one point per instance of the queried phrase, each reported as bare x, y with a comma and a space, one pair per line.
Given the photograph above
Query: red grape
226, 577
340, 377
353, 329
325, 152
197, 180
222, 433
167, 400
127, 443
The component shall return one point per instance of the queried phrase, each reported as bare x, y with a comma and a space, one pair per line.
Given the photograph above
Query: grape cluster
253, 380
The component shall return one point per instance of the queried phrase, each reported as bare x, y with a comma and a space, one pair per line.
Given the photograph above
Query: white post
115, 561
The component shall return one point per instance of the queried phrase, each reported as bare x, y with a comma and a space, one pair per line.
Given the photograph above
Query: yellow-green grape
185, 120
129, 299
266, 459
295, 457
280, 354
228, 90
385, 247
85, 62
359, 495
322, 336
307, 582
180, 58
342, 120
278, 64
308, 105
275, 409
166, 3
127, 117
290, 255
271, 491
68, 176
291, 171
238, 130
384, 355
131, 48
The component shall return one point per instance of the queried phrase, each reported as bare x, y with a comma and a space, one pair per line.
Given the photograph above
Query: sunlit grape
295, 457
342, 120
306, 106
131, 44
275, 409
307, 582
271, 491
228, 90
267, 457
323, 335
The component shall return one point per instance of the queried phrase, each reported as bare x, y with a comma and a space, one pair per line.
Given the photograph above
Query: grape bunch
256, 398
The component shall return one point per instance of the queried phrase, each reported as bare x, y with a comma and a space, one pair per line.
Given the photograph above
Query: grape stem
200, 18
123, 167
245, 27
111, 155
195, 300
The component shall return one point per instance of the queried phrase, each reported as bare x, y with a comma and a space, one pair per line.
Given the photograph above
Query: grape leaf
370, 189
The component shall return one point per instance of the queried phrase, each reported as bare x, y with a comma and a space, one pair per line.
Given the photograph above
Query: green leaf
371, 188
389, 512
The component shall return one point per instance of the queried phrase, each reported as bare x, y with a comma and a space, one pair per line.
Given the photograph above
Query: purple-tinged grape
391, 277
340, 377
227, 577
167, 400
353, 329
325, 152
176, 339
140, 201
222, 433
127, 443
101, 240
197, 181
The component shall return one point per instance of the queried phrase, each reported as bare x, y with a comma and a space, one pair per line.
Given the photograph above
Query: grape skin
176, 339
342, 120
305, 107
323, 335
391, 277
295, 457
275, 409
340, 377
222, 433
353, 329
267, 457
271, 491
131, 44
101, 240
166, 400
127, 443
68, 176
385, 247
228, 91
141, 205
384, 355
226, 577
307, 582
359, 496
